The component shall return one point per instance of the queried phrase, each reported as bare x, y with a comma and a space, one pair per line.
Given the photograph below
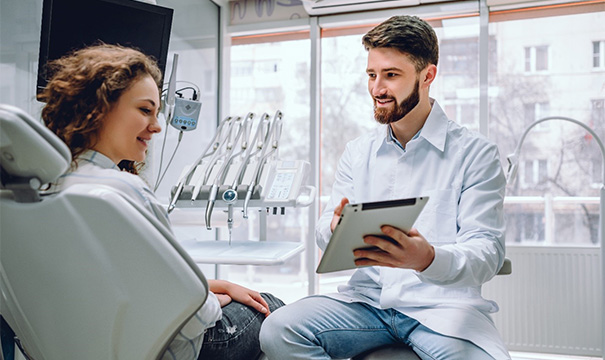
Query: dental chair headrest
30, 154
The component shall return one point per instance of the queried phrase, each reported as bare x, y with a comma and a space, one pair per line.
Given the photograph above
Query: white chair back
86, 273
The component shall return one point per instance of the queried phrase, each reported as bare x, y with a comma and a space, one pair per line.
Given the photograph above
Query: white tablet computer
358, 220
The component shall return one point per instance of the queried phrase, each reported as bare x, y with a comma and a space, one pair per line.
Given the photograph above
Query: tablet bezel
359, 220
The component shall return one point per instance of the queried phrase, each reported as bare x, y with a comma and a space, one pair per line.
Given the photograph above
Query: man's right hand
337, 213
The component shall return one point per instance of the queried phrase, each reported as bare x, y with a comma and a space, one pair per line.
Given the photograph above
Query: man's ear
430, 72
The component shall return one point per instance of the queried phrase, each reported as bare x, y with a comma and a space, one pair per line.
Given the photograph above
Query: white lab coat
460, 171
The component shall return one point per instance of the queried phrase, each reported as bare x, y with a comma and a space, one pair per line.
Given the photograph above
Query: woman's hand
223, 299
226, 291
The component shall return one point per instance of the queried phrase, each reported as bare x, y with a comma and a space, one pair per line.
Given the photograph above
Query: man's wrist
430, 258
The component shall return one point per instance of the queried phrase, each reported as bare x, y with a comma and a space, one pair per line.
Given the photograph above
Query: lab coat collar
96, 158
435, 126
434, 129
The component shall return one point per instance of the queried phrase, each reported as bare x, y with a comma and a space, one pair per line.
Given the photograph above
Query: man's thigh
430, 345
342, 329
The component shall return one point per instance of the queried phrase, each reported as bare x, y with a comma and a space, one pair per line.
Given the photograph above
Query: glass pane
19, 48
267, 77
194, 65
563, 155
346, 105
541, 58
347, 109
596, 53
575, 222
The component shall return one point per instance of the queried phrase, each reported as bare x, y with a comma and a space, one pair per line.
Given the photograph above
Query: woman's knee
273, 302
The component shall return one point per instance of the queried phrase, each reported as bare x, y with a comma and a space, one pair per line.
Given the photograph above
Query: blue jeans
235, 336
319, 327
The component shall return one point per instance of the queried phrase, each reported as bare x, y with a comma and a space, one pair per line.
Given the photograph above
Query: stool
389, 352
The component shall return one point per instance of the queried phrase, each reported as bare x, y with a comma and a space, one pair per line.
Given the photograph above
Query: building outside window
598, 54
534, 173
597, 112
536, 111
536, 58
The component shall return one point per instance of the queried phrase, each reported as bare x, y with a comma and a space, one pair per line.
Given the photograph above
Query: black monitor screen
68, 25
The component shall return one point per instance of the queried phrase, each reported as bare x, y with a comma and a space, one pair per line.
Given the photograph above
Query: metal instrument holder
197, 188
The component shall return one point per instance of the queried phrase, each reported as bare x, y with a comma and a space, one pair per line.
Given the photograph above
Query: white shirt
96, 168
460, 172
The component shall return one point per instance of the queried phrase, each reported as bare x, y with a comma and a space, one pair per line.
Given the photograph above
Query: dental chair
85, 273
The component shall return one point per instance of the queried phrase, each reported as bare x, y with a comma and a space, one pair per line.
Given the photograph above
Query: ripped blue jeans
235, 336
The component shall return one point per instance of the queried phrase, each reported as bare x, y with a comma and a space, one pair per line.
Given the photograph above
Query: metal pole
602, 237
315, 127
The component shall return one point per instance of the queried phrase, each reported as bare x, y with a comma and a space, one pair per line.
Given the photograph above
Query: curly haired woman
103, 102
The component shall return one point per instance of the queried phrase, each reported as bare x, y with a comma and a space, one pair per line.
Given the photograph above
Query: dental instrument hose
160, 178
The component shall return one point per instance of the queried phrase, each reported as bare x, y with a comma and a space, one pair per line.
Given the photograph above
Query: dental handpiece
230, 197
175, 197
218, 180
210, 205
222, 140
262, 137
273, 133
247, 199
246, 151
181, 184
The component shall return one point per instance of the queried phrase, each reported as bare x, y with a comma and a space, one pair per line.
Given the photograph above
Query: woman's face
129, 125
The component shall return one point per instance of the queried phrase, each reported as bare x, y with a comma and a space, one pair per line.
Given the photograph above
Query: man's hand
338, 212
397, 249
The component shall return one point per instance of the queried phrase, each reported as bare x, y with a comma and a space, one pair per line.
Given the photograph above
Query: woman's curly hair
84, 86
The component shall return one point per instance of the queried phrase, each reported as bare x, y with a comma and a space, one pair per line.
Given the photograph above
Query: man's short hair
410, 35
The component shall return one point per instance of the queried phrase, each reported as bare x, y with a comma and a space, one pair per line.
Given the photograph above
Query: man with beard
421, 287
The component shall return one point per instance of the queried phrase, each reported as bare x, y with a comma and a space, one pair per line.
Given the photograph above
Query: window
347, 107
264, 85
558, 167
525, 223
269, 95
597, 112
464, 112
534, 112
196, 69
460, 56
266, 66
598, 54
536, 58
534, 172
532, 227
240, 69
596, 171
520, 43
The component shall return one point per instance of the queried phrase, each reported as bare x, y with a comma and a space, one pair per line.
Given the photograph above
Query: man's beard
385, 116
